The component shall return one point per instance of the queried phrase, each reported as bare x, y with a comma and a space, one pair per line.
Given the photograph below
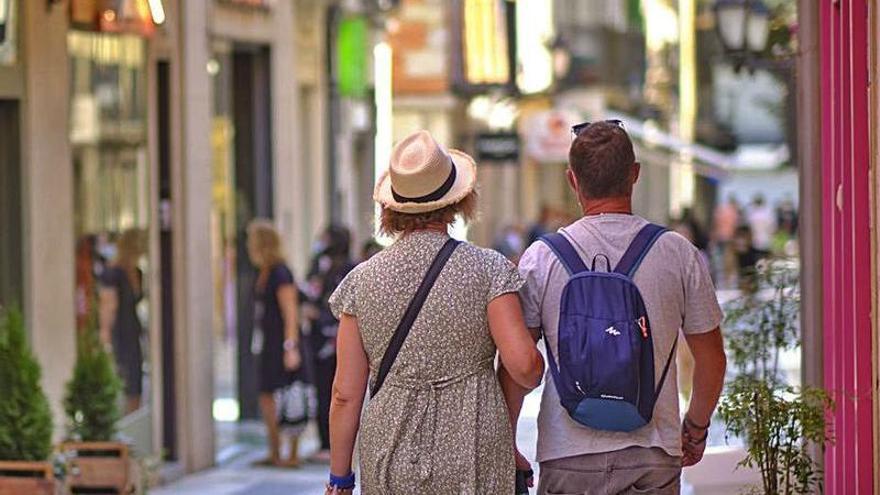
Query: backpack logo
612, 331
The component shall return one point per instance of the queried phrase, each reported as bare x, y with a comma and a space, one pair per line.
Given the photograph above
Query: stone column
48, 197
191, 170
287, 182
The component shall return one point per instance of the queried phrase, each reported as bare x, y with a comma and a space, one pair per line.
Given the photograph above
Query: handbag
295, 404
412, 311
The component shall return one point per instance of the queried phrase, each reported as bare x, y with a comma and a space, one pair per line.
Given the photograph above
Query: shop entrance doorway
242, 171
10, 205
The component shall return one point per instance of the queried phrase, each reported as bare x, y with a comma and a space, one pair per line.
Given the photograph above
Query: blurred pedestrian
725, 221
510, 242
787, 216
276, 335
542, 226
370, 249
120, 327
762, 223
747, 257
439, 424
698, 233
328, 268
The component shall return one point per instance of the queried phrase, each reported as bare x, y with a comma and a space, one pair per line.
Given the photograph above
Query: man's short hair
602, 159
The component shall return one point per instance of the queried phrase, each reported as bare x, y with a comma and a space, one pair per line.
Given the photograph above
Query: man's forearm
708, 383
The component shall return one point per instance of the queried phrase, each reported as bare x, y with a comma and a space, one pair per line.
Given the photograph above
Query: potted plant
25, 417
783, 426
95, 460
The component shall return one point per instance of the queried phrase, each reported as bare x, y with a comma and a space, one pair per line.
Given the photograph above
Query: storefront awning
708, 162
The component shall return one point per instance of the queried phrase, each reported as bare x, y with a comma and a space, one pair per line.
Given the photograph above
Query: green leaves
25, 417
759, 325
780, 423
91, 402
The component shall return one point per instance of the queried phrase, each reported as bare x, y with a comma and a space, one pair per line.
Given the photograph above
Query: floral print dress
439, 424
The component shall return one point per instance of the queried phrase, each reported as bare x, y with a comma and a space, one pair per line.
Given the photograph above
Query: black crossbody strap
412, 312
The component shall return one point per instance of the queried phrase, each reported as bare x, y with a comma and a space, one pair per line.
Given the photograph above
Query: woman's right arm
349, 388
519, 353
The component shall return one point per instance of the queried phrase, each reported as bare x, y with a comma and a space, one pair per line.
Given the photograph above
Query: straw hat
424, 177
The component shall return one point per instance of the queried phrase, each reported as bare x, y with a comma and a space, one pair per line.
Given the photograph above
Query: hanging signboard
548, 135
351, 56
497, 146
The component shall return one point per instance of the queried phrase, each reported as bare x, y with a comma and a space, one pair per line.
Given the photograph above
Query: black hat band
434, 196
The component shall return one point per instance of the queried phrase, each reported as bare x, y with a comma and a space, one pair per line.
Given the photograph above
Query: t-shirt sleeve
530, 294
701, 310
343, 300
503, 276
281, 276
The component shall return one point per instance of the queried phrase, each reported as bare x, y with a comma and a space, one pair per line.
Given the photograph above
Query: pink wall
846, 204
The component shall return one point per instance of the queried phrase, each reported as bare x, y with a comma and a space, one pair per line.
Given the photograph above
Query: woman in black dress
276, 331
120, 328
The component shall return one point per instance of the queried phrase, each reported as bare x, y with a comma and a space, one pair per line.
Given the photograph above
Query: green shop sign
351, 57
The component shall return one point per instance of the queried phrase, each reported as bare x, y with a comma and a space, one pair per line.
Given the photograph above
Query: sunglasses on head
579, 128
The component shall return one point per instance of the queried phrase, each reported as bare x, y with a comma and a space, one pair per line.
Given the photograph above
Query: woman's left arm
288, 302
349, 388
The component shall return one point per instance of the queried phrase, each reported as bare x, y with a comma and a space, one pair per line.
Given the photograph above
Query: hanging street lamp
744, 29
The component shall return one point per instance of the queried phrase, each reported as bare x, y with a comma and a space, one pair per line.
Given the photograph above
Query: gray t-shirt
679, 295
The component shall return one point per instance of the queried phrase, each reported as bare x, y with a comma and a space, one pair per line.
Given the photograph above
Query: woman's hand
292, 359
332, 490
521, 462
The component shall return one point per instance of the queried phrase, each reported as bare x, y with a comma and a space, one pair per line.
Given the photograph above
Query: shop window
108, 134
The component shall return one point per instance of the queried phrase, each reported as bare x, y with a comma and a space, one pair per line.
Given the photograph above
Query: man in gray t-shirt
679, 296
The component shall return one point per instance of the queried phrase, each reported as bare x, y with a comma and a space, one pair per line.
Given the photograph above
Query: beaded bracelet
342, 482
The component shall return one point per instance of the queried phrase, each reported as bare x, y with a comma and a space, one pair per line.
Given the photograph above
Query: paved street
237, 476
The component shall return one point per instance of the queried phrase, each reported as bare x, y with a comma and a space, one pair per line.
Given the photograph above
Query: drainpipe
809, 170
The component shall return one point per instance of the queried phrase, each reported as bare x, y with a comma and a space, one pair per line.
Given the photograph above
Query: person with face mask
331, 263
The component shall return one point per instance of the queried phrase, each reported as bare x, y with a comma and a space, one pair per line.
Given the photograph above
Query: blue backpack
605, 375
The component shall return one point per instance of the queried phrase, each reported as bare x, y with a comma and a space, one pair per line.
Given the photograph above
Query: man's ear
636, 171
572, 182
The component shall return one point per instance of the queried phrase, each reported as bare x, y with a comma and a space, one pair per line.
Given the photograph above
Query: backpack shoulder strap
638, 249
412, 311
666, 367
566, 253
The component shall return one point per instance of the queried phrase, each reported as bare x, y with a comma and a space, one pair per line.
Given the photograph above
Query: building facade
178, 120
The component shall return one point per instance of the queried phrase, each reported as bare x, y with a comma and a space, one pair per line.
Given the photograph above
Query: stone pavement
237, 476
240, 478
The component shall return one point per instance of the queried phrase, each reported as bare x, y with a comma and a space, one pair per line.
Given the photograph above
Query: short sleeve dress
127, 328
269, 324
439, 424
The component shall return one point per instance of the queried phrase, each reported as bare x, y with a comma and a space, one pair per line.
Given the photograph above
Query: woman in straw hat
437, 420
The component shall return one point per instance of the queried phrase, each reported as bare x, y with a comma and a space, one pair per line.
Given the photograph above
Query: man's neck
620, 204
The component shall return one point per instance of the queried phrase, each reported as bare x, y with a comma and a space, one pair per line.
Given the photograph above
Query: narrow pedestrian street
214, 214
236, 474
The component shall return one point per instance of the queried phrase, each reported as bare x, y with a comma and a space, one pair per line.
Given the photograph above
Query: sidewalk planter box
95, 466
32, 478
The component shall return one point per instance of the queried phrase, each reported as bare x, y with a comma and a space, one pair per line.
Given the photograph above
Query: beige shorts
628, 471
